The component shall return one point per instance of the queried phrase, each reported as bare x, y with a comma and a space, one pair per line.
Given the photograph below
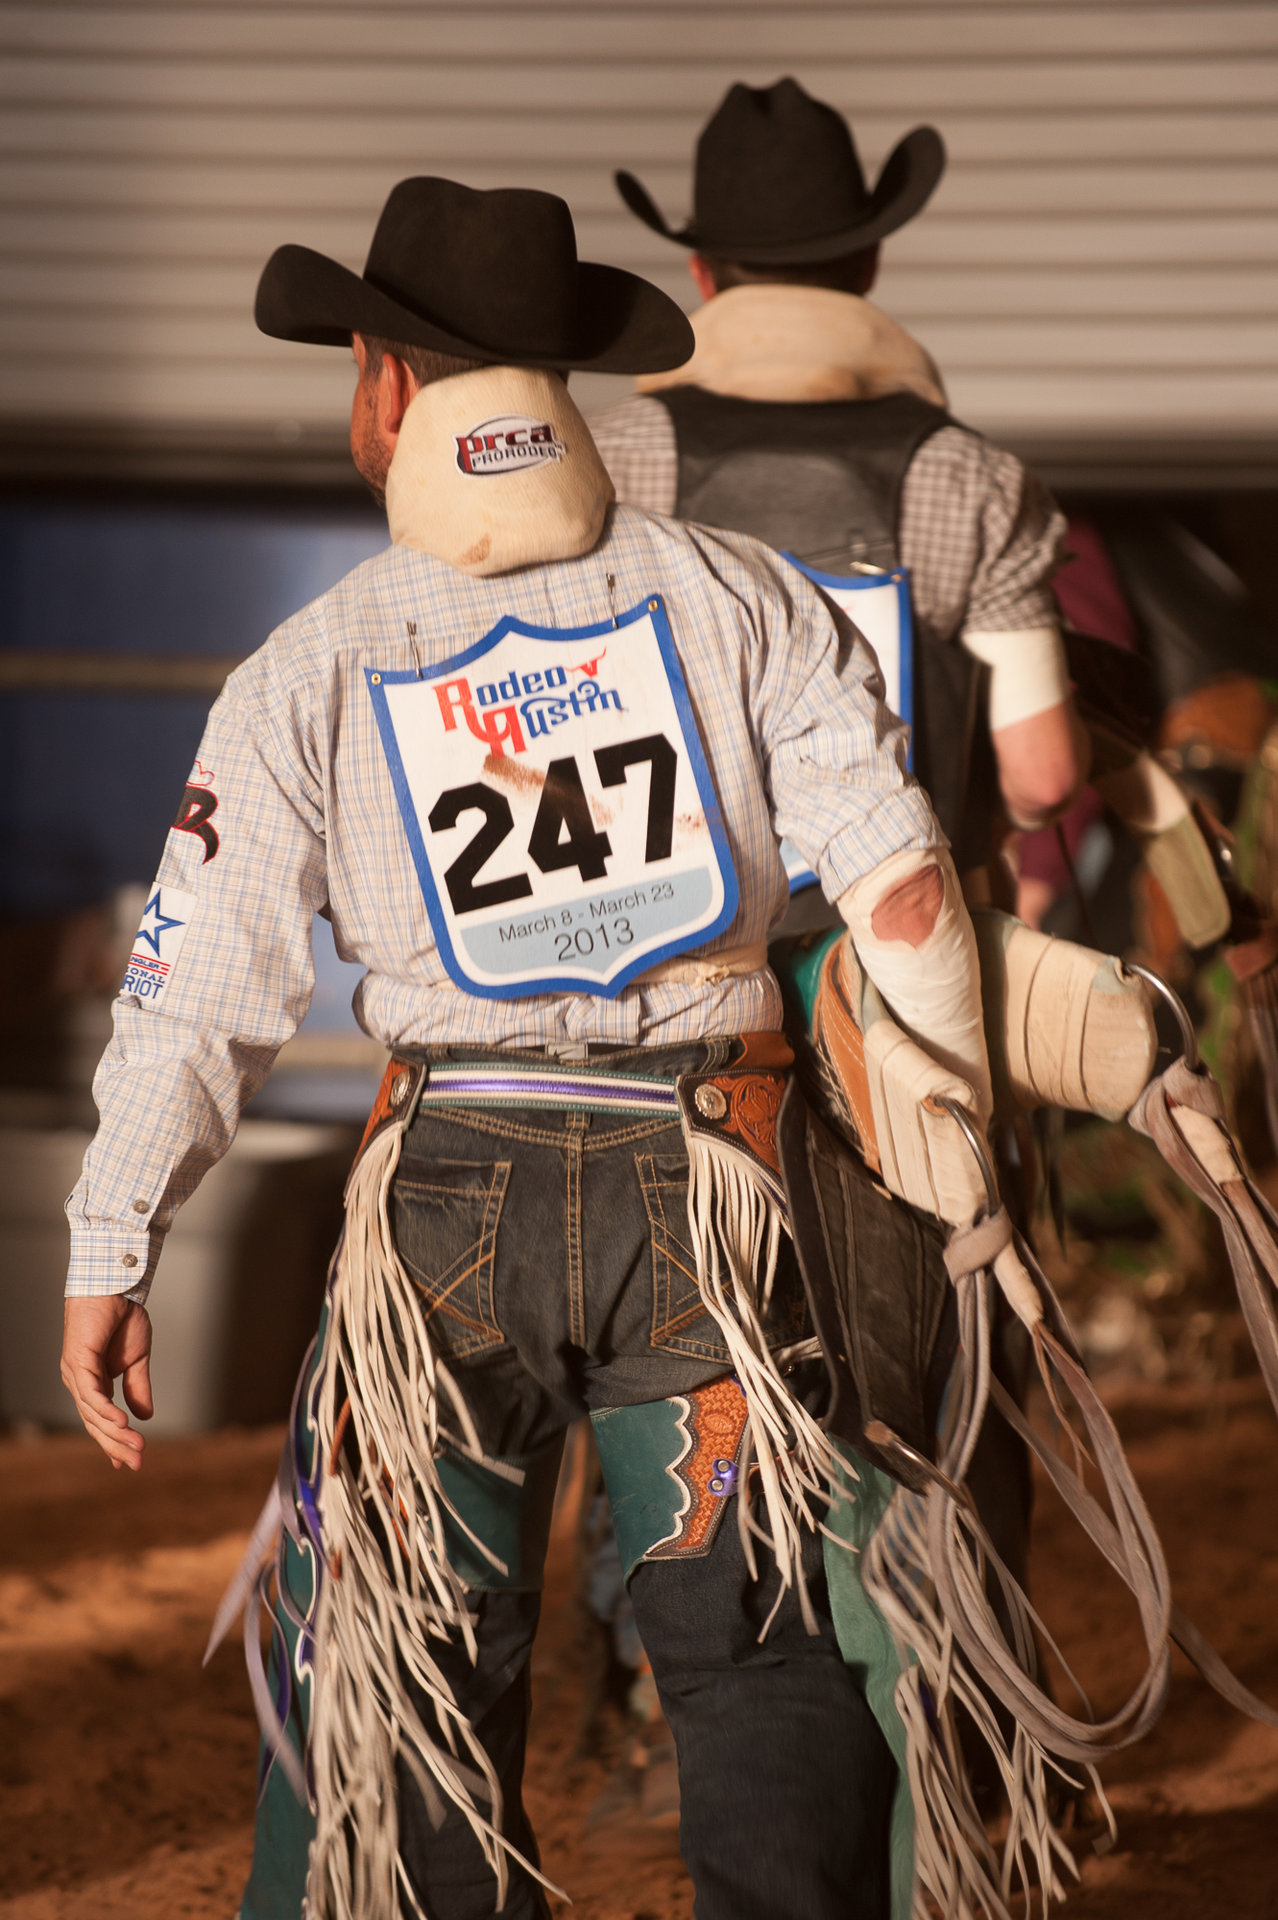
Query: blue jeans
551, 1253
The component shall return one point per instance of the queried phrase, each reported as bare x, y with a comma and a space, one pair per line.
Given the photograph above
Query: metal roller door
1097, 275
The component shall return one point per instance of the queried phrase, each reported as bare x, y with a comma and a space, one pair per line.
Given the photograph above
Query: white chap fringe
388, 1589
956, 1865
736, 1228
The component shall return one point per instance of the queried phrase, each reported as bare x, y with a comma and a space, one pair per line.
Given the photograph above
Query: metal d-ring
1188, 1038
957, 1111
880, 1435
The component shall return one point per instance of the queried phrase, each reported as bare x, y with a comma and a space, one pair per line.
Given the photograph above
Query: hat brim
907, 182
624, 324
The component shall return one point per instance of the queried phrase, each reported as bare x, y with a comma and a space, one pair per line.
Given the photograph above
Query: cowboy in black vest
811, 420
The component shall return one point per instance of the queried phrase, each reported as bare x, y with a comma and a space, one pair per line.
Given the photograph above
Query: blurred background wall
1097, 278
1098, 272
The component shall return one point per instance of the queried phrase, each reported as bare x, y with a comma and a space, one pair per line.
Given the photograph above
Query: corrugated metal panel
1098, 267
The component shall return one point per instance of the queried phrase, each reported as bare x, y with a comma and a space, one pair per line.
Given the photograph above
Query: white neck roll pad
496, 469
934, 989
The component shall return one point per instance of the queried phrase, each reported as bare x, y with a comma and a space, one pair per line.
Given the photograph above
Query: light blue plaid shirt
797, 741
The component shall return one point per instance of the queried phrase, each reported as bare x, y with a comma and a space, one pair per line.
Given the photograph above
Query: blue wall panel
89, 783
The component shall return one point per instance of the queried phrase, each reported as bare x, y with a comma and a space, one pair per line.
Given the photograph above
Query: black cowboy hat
487, 276
778, 182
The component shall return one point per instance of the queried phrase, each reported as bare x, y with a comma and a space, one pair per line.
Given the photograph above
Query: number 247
563, 832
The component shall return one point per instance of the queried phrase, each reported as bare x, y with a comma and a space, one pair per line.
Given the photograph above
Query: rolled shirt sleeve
981, 537
1022, 532
227, 976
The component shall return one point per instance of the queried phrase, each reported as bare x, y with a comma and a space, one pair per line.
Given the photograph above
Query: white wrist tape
1028, 672
933, 990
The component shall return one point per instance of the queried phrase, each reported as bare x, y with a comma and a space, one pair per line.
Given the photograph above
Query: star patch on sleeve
158, 942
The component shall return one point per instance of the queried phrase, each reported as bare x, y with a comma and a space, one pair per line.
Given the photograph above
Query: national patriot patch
158, 942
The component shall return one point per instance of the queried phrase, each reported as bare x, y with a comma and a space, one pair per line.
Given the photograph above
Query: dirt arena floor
127, 1771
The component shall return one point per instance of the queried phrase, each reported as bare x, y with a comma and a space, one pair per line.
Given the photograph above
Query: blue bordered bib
878, 605
558, 804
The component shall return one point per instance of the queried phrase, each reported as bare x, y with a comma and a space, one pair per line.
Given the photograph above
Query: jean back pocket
445, 1215
680, 1320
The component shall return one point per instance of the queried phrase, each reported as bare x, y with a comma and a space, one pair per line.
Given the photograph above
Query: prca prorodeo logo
507, 444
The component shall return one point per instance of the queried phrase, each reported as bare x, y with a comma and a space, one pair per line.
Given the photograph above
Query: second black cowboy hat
488, 276
778, 182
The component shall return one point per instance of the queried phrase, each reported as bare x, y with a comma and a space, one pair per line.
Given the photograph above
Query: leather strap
1183, 1113
958, 1543
1128, 1540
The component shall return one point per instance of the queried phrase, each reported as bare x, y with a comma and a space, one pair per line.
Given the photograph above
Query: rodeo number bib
878, 605
557, 801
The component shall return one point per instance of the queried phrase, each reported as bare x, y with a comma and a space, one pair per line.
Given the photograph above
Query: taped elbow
913, 937
911, 909
901, 901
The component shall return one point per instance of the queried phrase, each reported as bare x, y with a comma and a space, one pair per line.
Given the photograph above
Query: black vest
823, 481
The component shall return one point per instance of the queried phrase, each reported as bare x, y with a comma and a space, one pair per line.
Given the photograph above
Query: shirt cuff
903, 822
107, 1260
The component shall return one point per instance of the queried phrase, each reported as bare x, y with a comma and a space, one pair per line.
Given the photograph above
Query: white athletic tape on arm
933, 990
1028, 672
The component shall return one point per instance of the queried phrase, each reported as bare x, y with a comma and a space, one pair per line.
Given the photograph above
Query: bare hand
102, 1337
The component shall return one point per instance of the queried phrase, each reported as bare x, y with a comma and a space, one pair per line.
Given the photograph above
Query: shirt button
140, 1206
128, 1259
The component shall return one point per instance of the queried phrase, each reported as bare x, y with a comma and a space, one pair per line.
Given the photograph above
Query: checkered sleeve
195, 1033
981, 537
636, 440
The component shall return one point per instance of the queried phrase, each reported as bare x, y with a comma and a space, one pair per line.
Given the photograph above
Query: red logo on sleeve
196, 809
